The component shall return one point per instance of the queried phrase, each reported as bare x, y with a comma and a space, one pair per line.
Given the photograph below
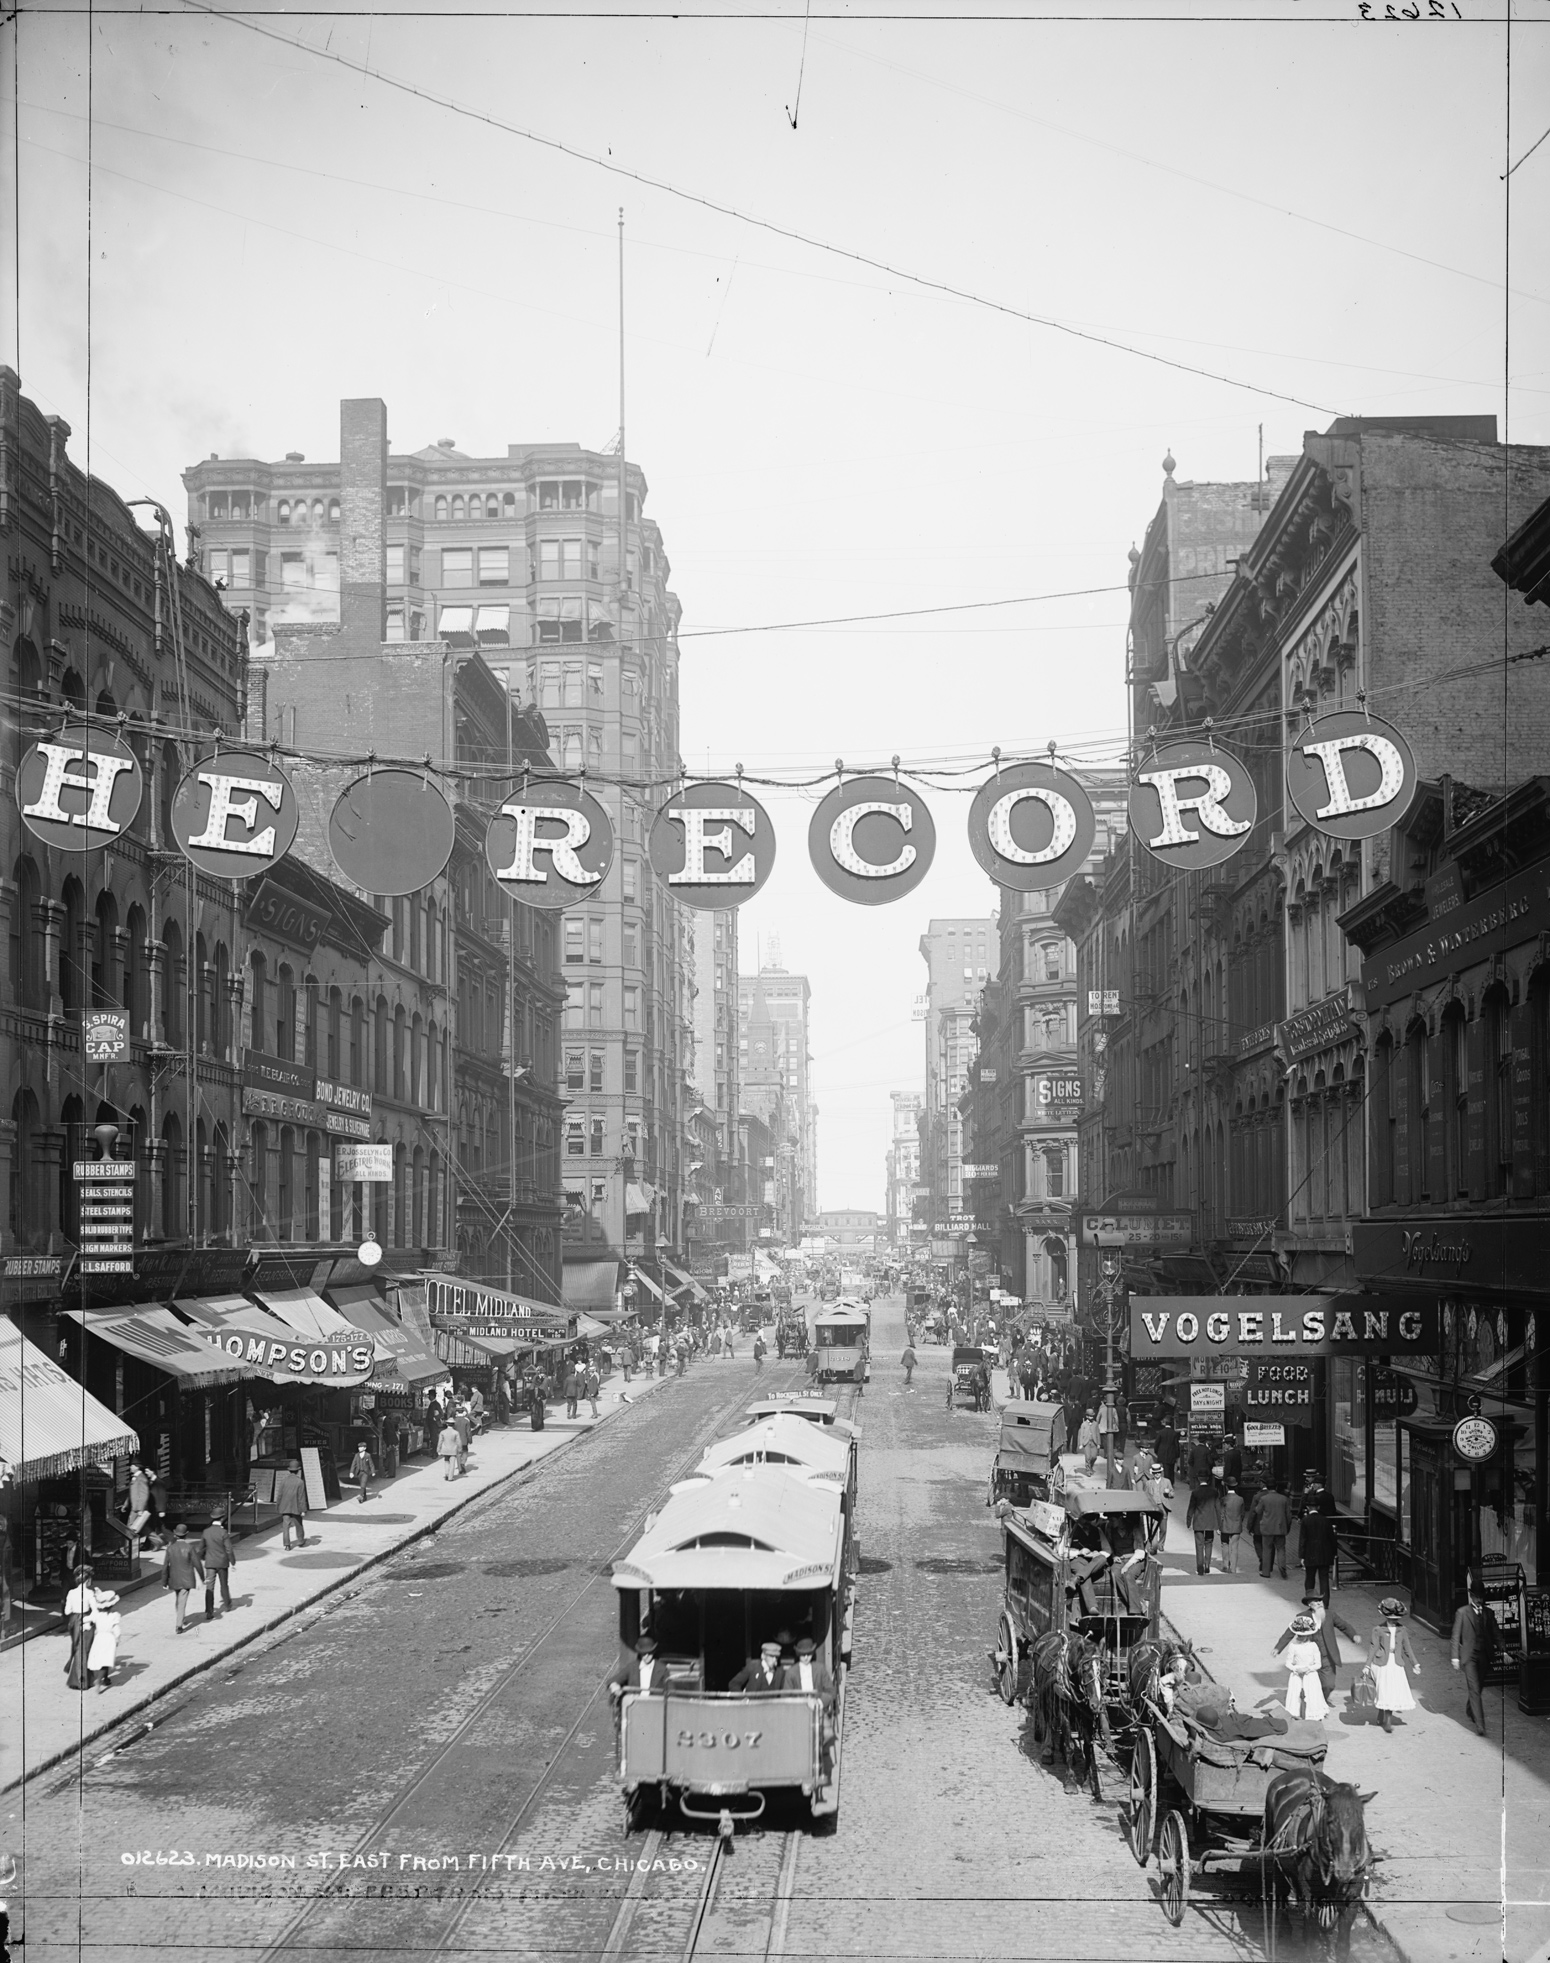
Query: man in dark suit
808, 1672
1475, 1637
761, 1675
641, 1672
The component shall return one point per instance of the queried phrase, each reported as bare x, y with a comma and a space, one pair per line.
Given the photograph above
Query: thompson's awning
50, 1424
155, 1336
408, 1359
591, 1285
303, 1311
268, 1348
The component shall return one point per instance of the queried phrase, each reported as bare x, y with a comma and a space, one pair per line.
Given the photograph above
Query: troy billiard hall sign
1281, 1325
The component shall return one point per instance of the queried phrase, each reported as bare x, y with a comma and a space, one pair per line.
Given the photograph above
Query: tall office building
773, 1038
960, 957
544, 561
716, 1077
902, 1166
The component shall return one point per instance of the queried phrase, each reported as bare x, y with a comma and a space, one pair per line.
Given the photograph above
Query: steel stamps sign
391, 832
235, 814
1351, 775
550, 846
105, 1036
713, 844
1279, 1325
106, 1205
1192, 805
872, 840
1031, 826
79, 789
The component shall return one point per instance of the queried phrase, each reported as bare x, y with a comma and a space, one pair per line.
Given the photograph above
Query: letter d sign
1351, 775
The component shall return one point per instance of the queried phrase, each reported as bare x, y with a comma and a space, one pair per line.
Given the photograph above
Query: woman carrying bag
1391, 1654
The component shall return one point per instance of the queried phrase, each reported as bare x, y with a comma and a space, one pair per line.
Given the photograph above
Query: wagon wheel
1006, 1669
1173, 1866
1143, 1796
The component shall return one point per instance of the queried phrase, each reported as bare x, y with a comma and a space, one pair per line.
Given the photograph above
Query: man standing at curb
290, 1498
592, 1384
182, 1570
220, 1556
572, 1388
449, 1449
1473, 1645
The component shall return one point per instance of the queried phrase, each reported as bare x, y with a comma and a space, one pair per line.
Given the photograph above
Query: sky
926, 304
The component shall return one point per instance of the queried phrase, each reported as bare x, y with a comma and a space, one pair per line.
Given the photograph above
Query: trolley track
740, 1908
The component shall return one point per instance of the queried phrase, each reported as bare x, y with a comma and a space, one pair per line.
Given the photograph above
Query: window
441, 505
628, 878
631, 1006
395, 623
548, 558
595, 1004
599, 1192
293, 570
631, 1064
492, 627
575, 1141
457, 505
572, 685
494, 565
574, 931
631, 944
457, 565
594, 559
573, 1070
595, 939
395, 565
597, 1138
548, 684
595, 1071
1456, 1100
570, 558
595, 680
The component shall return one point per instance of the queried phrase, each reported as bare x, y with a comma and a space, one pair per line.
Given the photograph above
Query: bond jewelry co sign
1351, 775
235, 814
551, 846
713, 845
79, 789
1287, 1325
872, 840
1193, 805
1031, 826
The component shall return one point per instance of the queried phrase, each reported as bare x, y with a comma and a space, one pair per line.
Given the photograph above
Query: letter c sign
872, 840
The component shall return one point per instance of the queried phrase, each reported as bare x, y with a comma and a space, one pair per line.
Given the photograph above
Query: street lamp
1109, 1273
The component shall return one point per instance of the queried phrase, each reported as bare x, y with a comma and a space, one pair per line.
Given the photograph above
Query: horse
1156, 1669
1315, 1840
1066, 1697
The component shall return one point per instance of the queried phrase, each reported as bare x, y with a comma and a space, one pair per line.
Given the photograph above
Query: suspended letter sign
1192, 805
235, 814
713, 844
550, 846
391, 832
79, 789
1351, 775
871, 840
1031, 826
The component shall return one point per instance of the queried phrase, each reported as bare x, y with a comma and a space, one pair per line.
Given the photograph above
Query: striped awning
50, 1424
155, 1336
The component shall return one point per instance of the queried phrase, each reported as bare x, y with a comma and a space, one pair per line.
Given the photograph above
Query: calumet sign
1280, 1325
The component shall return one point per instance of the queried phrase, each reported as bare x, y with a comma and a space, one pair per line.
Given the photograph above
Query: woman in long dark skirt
78, 1621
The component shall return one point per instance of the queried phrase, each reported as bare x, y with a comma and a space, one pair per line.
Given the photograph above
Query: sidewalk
48, 1723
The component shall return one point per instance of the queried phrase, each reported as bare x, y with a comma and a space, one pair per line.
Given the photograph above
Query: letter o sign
1031, 826
872, 840
1351, 775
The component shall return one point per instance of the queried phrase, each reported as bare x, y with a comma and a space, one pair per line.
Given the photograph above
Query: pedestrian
592, 1385
1326, 1624
435, 1417
362, 1469
1088, 1442
1234, 1508
1472, 1649
758, 1354
80, 1613
815, 1366
182, 1570
1391, 1652
1201, 1461
626, 1360
1304, 1693
1317, 1542
681, 1351
535, 1401
463, 1425
449, 1449
730, 1343
715, 1341
661, 1356
1270, 1518
908, 1360
219, 1554
1167, 1445
1204, 1517
1232, 1463
502, 1402
146, 1513
290, 1499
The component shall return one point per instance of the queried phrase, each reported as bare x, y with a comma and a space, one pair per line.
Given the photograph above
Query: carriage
1213, 1792
968, 1376
791, 1333
1082, 1593
1033, 1437
842, 1335
734, 1558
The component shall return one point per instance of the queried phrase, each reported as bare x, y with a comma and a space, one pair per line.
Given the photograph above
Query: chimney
363, 448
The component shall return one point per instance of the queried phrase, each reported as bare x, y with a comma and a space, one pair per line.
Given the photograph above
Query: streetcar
730, 1562
842, 1335
812, 1406
784, 1439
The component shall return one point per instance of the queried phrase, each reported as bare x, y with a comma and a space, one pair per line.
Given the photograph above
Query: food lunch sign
1280, 1326
871, 840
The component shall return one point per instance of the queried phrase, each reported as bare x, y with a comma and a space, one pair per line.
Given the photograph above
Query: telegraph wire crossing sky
868, 489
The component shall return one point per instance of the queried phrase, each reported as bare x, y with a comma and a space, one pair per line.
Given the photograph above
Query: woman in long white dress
106, 1622
1302, 1656
1391, 1652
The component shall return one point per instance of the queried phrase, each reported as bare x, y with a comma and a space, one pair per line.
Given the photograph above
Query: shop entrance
1441, 1527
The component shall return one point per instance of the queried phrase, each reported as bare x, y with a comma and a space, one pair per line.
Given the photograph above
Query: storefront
390, 1411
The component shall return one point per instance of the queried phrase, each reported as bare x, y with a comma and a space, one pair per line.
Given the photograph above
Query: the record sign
1192, 805
79, 789
550, 846
713, 844
235, 814
1031, 826
1351, 775
391, 832
872, 840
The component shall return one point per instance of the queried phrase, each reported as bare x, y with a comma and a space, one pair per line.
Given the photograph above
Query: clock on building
1475, 1438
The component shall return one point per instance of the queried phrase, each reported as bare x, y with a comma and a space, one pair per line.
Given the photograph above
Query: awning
589, 1325
50, 1424
267, 1347
591, 1285
408, 1360
638, 1197
414, 1315
687, 1281
301, 1310
155, 1336
639, 1274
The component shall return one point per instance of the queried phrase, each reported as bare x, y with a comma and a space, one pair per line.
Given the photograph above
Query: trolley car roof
756, 1529
778, 1438
849, 1313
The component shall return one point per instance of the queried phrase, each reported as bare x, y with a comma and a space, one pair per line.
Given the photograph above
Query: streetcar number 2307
731, 1741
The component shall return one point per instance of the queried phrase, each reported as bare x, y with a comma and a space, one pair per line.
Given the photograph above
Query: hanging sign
79, 789
550, 846
872, 840
344, 1358
1192, 805
105, 1035
1289, 1326
391, 832
364, 1164
235, 814
1351, 775
713, 844
1031, 826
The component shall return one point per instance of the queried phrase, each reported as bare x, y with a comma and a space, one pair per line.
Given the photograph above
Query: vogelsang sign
1284, 1325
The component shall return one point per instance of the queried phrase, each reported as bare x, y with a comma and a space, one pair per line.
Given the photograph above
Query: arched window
432, 1074
357, 1042
333, 511
331, 1039
258, 992
1382, 1123
1539, 1080
107, 986
72, 1119
201, 994
73, 689
492, 506
1496, 1017
508, 504
441, 505
1455, 1093
71, 975
309, 1021
313, 1228
415, 957
416, 1061
433, 1187
379, 1209
379, 1060
457, 507
166, 786
400, 1045
137, 994
203, 1175
220, 1001
28, 980
220, 1184
285, 1197
174, 1215
259, 1183
29, 692
417, 1234
285, 1015
283, 511
1418, 1115
173, 983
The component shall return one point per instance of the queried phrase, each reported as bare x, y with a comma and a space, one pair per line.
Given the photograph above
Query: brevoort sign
336, 1360
1291, 1325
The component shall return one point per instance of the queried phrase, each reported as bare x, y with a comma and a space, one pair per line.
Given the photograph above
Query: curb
278, 1621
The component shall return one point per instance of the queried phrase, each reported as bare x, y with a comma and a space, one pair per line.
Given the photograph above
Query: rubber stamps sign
1281, 1325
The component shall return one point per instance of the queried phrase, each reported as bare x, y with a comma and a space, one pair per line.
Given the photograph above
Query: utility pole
1109, 1268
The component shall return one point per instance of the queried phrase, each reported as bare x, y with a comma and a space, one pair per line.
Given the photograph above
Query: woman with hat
1304, 1692
1391, 1652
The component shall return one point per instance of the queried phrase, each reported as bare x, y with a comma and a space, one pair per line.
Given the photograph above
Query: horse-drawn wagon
1033, 1437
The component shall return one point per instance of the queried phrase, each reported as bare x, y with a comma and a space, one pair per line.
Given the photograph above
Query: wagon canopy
757, 1529
1033, 1431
